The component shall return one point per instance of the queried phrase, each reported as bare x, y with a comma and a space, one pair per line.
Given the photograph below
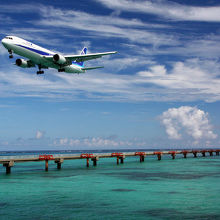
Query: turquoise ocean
167, 189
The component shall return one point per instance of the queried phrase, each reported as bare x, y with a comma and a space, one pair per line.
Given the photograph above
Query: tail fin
84, 51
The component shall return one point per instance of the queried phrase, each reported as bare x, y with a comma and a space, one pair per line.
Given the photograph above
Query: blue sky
161, 90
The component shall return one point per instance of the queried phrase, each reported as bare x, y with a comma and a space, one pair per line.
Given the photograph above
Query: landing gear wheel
40, 72
10, 54
61, 70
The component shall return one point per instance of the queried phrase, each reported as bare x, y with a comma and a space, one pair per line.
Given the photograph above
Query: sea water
167, 189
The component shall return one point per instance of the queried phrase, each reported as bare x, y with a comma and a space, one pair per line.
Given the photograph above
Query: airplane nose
4, 42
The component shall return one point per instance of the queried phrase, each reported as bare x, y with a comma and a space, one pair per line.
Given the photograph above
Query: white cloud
104, 26
147, 36
193, 78
166, 9
97, 142
157, 70
187, 120
94, 25
200, 46
39, 134
3, 51
63, 141
185, 81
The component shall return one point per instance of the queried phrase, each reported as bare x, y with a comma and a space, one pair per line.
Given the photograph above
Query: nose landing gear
10, 54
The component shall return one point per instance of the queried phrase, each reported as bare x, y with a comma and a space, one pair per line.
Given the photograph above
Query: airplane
44, 59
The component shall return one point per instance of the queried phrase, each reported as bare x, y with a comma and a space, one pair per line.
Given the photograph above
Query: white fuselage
36, 54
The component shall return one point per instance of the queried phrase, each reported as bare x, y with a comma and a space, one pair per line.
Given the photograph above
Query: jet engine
59, 59
22, 63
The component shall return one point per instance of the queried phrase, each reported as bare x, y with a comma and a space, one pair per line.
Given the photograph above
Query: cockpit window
9, 38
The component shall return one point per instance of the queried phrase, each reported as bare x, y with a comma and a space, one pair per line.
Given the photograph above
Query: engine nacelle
57, 58
22, 63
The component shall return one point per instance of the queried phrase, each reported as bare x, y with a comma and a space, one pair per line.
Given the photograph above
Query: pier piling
195, 153
119, 156
59, 163
141, 155
142, 158
158, 155
185, 152
203, 153
95, 159
117, 160
46, 165
94, 163
122, 159
211, 153
58, 166
87, 156
173, 154
8, 166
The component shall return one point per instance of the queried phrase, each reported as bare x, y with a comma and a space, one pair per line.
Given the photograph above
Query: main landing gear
40, 71
10, 54
61, 70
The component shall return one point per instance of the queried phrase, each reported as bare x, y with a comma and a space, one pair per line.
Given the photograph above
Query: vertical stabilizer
84, 51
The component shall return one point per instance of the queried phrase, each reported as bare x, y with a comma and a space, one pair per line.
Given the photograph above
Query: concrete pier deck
10, 161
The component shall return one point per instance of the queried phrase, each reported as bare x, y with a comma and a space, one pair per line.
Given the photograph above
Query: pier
9, 161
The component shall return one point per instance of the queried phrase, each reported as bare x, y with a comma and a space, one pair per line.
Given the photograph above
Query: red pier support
46, 157
87, 156
120, 156
195, 153
142, 156
185, 152
173, 154
211, 152
159, 154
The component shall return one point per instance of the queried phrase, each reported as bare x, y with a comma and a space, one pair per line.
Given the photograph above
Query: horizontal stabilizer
92, 68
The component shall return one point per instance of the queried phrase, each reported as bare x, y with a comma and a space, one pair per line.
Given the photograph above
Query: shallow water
166, 189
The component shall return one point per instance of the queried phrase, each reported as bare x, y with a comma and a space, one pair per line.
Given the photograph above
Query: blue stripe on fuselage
34, 50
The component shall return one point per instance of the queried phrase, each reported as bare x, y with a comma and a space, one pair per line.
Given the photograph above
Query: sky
161, 90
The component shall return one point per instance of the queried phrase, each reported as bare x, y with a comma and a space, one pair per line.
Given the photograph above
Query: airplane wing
83, 57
